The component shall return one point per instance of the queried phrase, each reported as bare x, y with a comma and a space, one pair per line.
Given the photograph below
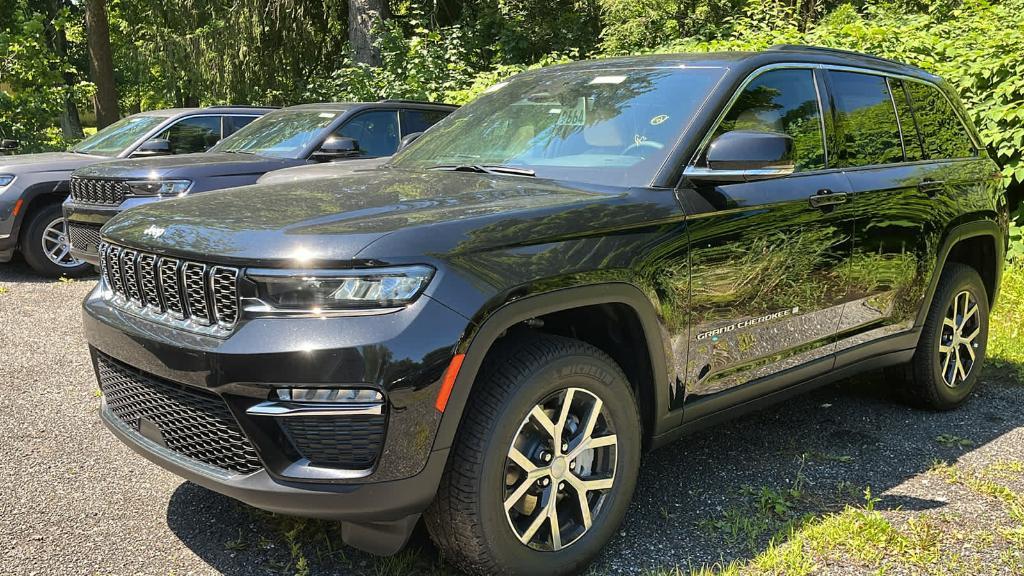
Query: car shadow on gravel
697, 500
18, 271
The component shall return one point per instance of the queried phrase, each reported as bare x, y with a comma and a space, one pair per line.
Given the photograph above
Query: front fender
482, 337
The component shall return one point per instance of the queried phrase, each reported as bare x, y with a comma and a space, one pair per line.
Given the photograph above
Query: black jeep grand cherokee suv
586, 262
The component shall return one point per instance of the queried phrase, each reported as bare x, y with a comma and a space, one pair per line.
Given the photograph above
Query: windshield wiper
486, 169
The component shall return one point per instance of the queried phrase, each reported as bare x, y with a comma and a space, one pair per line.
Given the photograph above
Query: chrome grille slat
224, 284
194, 280
97, 191
129, 275
169, 286
147, 281
189, 295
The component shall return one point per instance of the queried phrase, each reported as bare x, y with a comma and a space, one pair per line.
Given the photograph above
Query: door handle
827, 197
931, 187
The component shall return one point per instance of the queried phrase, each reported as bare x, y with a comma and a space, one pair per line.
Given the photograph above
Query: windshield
606, 127
113, 139
281, 134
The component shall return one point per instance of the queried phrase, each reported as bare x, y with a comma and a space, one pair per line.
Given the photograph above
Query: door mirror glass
337, 147
155, 147
744, 155
409, 139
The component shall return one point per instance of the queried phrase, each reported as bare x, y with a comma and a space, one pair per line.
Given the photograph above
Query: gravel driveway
75, 501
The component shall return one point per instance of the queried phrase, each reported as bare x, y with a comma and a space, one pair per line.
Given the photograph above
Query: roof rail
408, 101
837, 51
242, 106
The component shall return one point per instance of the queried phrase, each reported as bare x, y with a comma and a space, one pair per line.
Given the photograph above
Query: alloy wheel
57, 246
560, 469
959, 339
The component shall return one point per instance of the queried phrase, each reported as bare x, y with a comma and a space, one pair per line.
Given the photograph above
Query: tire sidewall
31, 245
963, 279
576, 371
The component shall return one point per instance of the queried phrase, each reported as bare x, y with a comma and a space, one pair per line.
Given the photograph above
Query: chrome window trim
706, 140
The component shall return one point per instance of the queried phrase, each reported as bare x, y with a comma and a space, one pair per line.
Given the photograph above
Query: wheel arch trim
955, 235
476, 345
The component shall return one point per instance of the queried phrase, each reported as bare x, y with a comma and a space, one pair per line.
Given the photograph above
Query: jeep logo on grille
153, 231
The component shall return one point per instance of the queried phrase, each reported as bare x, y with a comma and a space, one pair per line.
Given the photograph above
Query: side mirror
744, 156
337, 147
409, 139
155, 147
8, 144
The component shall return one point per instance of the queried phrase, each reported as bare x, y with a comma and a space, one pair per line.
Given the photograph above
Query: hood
190, 166
326, 170
46, 162
315, 222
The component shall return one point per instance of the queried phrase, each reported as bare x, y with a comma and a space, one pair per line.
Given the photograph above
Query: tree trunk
101, 63
363, 15
70, 122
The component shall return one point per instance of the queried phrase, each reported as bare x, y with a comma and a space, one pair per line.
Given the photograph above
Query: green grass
1006, 328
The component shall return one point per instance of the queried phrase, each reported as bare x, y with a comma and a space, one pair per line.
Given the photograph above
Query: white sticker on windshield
608, 80
327, 114
575, 116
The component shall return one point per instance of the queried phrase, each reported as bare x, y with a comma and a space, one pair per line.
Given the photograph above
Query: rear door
767, 263
901, 201
414, 120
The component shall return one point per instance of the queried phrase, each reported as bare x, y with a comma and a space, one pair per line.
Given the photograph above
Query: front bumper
402, 354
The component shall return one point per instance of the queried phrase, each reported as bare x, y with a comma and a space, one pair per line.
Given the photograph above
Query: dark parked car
587, 262
32, 186
294, 136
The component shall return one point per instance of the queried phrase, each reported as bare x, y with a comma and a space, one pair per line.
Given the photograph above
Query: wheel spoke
950, 322
556, 530
538, 521
521, 460
970, 351
970, 313
599, 484
970, 337
520, 491
563, 417
542, 419
960, 366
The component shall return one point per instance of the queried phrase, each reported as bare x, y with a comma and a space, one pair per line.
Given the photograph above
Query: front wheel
46, 246
951, 350
544, 464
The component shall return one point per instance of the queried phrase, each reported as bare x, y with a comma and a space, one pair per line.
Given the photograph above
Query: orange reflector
448, 382
17, 206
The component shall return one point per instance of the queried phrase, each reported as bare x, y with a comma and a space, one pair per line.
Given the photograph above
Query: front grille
185, 294
192, 422
349, 442
94, 191
84, 237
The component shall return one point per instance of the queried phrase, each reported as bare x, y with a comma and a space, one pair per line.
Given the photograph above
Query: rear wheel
545, 462
951, 350
46, 246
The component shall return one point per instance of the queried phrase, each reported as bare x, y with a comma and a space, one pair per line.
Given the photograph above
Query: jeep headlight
5, 180
159, 187
318, 291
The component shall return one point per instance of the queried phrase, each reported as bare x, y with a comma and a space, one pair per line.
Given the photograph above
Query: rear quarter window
942, 132
866, 124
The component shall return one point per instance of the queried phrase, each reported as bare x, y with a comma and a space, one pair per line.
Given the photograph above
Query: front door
768, 258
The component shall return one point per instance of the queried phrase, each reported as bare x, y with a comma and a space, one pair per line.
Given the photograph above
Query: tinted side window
943, 133
865, 120
420, 120
196, 134
233, 123
912, 147
375, 131
782, 101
